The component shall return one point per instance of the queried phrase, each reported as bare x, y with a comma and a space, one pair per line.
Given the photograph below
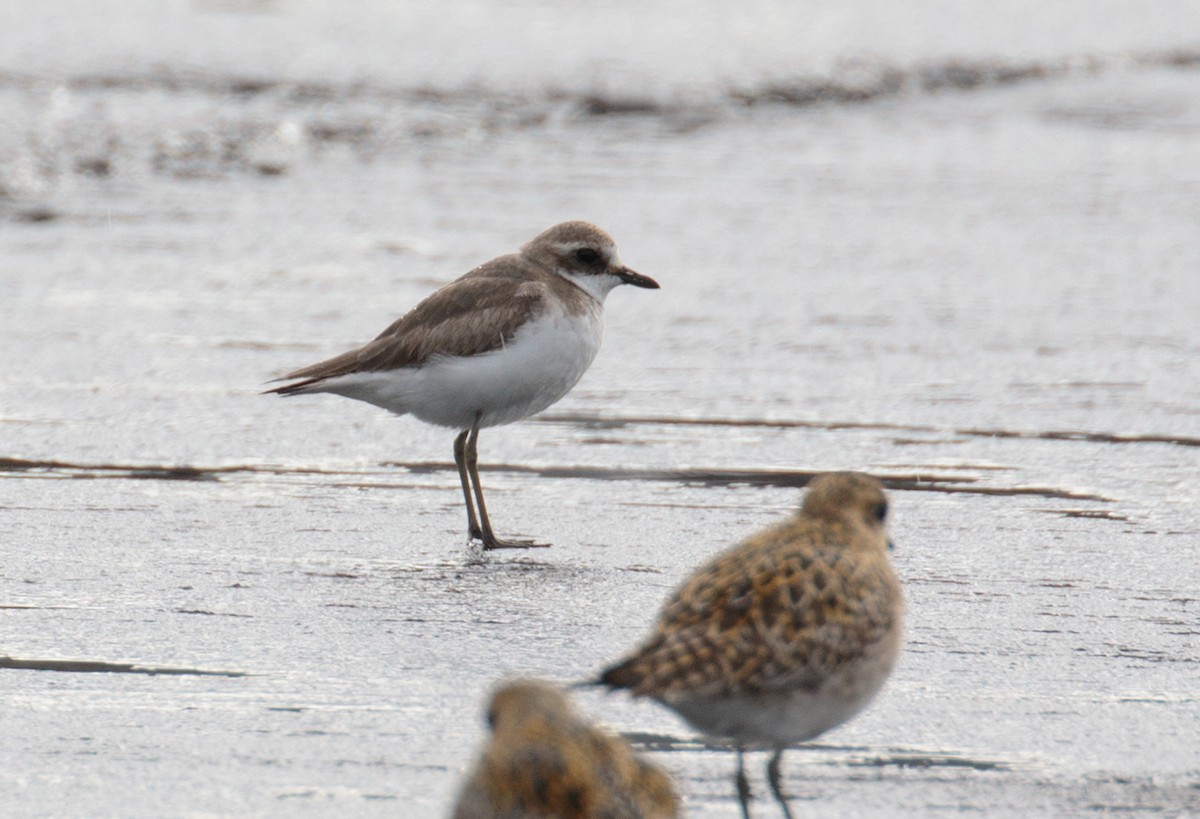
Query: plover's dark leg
460, 460
490, 541
743, 784
773, 778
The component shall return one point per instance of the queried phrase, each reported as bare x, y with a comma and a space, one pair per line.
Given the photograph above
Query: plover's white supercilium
501, 343
784, 636
544, 760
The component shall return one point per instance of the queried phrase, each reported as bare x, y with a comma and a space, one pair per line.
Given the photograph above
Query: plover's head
851, 499
515, 704
586, 255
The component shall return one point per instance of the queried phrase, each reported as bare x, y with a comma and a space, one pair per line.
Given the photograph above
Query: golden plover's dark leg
460, 460
773, 778
743, 785
490, 541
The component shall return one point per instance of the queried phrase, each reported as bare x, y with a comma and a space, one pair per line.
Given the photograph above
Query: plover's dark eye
879, 512
587, 255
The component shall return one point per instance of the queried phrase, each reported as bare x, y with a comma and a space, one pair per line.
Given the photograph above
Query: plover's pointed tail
295, 388
621, 675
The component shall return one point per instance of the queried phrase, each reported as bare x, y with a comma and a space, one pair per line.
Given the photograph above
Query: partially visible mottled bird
543, 760
785, 635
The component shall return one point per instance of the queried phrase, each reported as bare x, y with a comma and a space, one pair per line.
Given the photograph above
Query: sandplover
543, 760
783, 636
501, 343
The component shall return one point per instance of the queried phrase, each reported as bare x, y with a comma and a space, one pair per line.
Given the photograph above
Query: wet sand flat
214, 602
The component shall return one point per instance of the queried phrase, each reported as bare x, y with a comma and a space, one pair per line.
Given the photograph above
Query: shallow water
980, 287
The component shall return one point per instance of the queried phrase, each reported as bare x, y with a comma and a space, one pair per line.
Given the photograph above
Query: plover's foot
493, 542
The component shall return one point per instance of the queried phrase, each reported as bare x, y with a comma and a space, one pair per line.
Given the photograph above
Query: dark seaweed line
883, 80
857, 756
155, 472
974, 432
794, 478
1092, 437
102, 667
858, 81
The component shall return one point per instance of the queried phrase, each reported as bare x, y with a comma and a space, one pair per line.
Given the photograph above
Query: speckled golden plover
501, 343
544, 760
785, 635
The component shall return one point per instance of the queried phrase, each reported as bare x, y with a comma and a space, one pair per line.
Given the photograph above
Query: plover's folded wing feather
470, 316
689, 649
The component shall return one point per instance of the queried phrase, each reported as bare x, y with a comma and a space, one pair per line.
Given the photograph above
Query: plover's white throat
501, 343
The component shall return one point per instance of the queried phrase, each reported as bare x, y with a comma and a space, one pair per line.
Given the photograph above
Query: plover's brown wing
475, 314
758, 618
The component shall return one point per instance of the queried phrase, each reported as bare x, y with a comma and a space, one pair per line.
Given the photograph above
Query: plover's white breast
545, 358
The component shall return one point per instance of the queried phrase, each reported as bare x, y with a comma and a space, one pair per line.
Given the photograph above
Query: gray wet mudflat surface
958, 254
